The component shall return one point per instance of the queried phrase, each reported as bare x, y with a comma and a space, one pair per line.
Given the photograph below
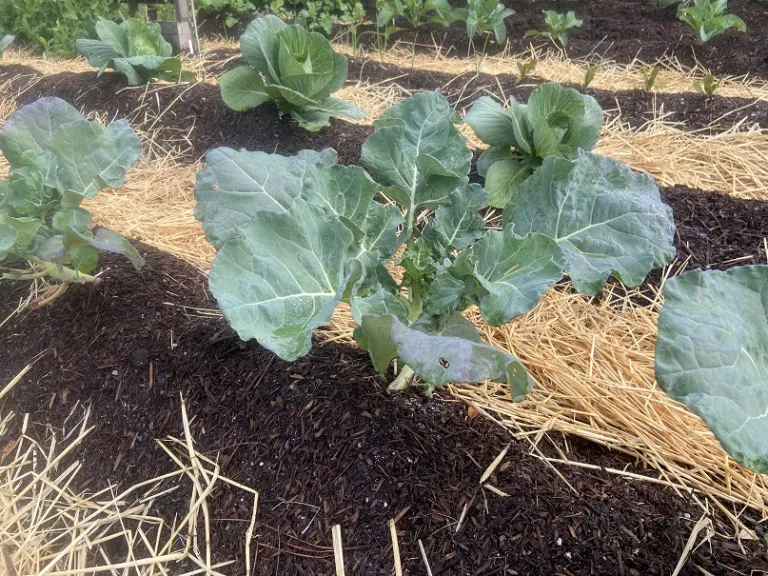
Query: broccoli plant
485, 17
708, 19
557, 27
557, 121
135, 49
415, 12
58, 159
707, 86
5, 42
296, 236
296, 69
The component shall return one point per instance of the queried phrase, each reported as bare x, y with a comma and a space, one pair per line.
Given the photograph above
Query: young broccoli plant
296, 236
135, 49
296, 69
708, 19
485, 17
58, 159
556, 121
414, 12
557, 27
707, 86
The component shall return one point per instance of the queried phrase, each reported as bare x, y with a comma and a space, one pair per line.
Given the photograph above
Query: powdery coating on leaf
608, 220
712, 355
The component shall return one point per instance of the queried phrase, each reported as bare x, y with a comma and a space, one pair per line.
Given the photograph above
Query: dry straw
47, 529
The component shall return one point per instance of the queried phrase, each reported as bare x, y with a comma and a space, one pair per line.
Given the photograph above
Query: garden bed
324, 445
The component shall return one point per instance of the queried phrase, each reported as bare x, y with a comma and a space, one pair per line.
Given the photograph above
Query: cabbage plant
485, 17
708, 19
556, 121
135, 49
57, 160
296, 69
297, 236
558, 25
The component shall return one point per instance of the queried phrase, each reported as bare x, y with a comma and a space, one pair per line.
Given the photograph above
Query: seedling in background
589, 75
708, 19
414, 12
557, 27
707, 86
58, 159
485, 17
649, 76
525, 68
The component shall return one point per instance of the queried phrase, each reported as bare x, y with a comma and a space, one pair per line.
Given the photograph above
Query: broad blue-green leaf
446, 294
458, 224
305, 60
712, 355
314, 117
76, 218
98, 53
503, 177
236, 185
144, 38
377, 304
515, 273
417, 134
563, 121
103, 240
25, 227
5, 42
492, 155
282, 276
90, 158
259, 46
242, 88
8, 237
609, 220
441, 359
498, 127
348, 192
29, 129
111, 34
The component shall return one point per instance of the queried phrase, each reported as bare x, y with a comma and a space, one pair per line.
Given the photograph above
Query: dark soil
620, 30
324, 445
190, 124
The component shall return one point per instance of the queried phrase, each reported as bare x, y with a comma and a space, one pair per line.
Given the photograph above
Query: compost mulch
324, 444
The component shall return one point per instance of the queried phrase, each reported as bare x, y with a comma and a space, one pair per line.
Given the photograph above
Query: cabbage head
296, 69
135, 49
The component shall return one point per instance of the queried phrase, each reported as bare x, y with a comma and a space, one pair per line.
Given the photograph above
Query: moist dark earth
620, 30
324, 444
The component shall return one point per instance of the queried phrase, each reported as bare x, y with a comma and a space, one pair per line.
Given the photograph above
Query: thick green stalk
52, 270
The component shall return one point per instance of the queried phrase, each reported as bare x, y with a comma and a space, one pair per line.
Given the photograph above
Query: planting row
298, 235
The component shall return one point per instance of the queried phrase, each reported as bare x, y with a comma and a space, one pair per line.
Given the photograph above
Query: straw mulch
47, 528
555, 66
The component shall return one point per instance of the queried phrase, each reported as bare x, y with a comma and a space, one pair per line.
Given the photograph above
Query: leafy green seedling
58, 159
707, 86
415, 12
649, 76
135, 49
557, 27
708, 19
296, 69
525, 68
556, 121
296, 236
485, 17
5, 42
589, 75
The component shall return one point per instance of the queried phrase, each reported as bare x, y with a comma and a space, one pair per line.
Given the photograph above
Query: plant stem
403, 380
51, 270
